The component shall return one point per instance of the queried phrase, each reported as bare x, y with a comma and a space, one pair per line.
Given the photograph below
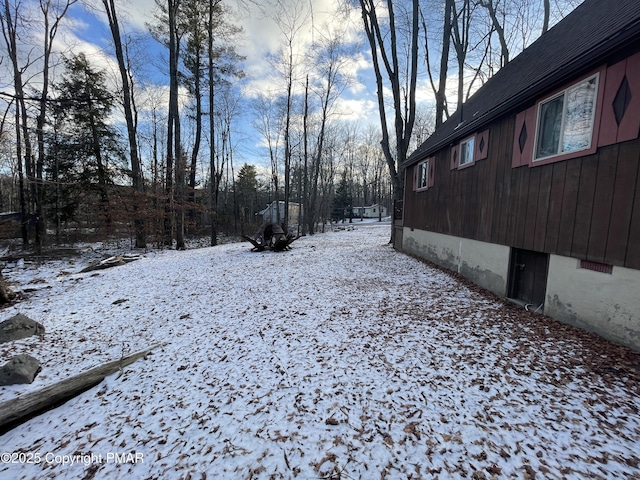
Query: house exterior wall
575, 208
485, 264
587, 207
373, 211
605, 303
613, 312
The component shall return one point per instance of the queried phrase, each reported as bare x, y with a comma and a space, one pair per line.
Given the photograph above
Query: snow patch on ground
341, 358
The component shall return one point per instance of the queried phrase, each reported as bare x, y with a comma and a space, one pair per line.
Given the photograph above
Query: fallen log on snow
20, 409
115, 261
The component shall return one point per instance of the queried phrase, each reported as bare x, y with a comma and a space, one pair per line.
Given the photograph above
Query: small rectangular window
423, 175
565, 121
467, 147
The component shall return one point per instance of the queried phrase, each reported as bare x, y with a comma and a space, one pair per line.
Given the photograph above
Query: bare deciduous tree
290, 20
498, 27
53, 11
132, 134
387, 46
10, 23
268, 123
330, 57
440, 91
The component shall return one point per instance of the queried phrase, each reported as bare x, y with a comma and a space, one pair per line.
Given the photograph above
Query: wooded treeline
449, 47
89, 155
89, 150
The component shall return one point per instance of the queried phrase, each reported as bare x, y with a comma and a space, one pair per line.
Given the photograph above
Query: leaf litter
339, 359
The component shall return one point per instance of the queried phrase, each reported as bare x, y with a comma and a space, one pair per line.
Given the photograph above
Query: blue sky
262, 38
87, 31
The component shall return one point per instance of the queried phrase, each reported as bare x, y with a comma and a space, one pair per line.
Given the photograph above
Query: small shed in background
274, 213
372, 211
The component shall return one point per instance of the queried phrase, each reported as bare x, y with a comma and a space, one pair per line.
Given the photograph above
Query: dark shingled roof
584, 38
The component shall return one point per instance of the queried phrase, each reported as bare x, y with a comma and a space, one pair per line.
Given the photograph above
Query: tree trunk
213, 180
305, 204
24, 221
127, 101
404, 115
49, 35
287, 146
9, 31
460, 28
488, 4
173, 121
441, 97
16, 410
547, 14
179, 201
315, 174
102, 171
194, 153
40, 121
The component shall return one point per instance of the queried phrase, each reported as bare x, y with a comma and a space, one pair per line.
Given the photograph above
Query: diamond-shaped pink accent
522, 139
622, 100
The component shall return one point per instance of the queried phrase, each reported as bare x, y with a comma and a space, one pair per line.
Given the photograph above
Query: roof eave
585, 61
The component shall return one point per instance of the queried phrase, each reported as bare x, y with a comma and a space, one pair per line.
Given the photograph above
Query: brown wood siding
587, 207
582, 220
569, 208
603, 196
622, 205
556, 193
502, 194
632, 258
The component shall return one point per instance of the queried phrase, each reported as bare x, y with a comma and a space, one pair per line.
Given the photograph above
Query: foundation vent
596, 267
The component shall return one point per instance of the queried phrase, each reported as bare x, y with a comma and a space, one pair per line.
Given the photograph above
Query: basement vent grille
596, 267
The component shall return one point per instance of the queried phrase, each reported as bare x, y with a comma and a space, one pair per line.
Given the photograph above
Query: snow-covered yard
340, 359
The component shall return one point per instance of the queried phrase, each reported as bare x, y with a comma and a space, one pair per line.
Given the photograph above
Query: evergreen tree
85, 153
342, 201
247, 193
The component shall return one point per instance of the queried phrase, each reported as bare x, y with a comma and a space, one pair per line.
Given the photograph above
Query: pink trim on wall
482, 139
596, 121
431, 181
630, 125
455, 156
608, 125
526, 117
517, 155
473, 154
416, 175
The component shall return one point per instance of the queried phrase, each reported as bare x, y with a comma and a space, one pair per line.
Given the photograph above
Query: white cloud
356, 70
86, 30
266, 32
357, 110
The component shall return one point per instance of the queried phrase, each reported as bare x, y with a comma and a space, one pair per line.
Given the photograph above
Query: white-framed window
467, 147
565, 120
422, 180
